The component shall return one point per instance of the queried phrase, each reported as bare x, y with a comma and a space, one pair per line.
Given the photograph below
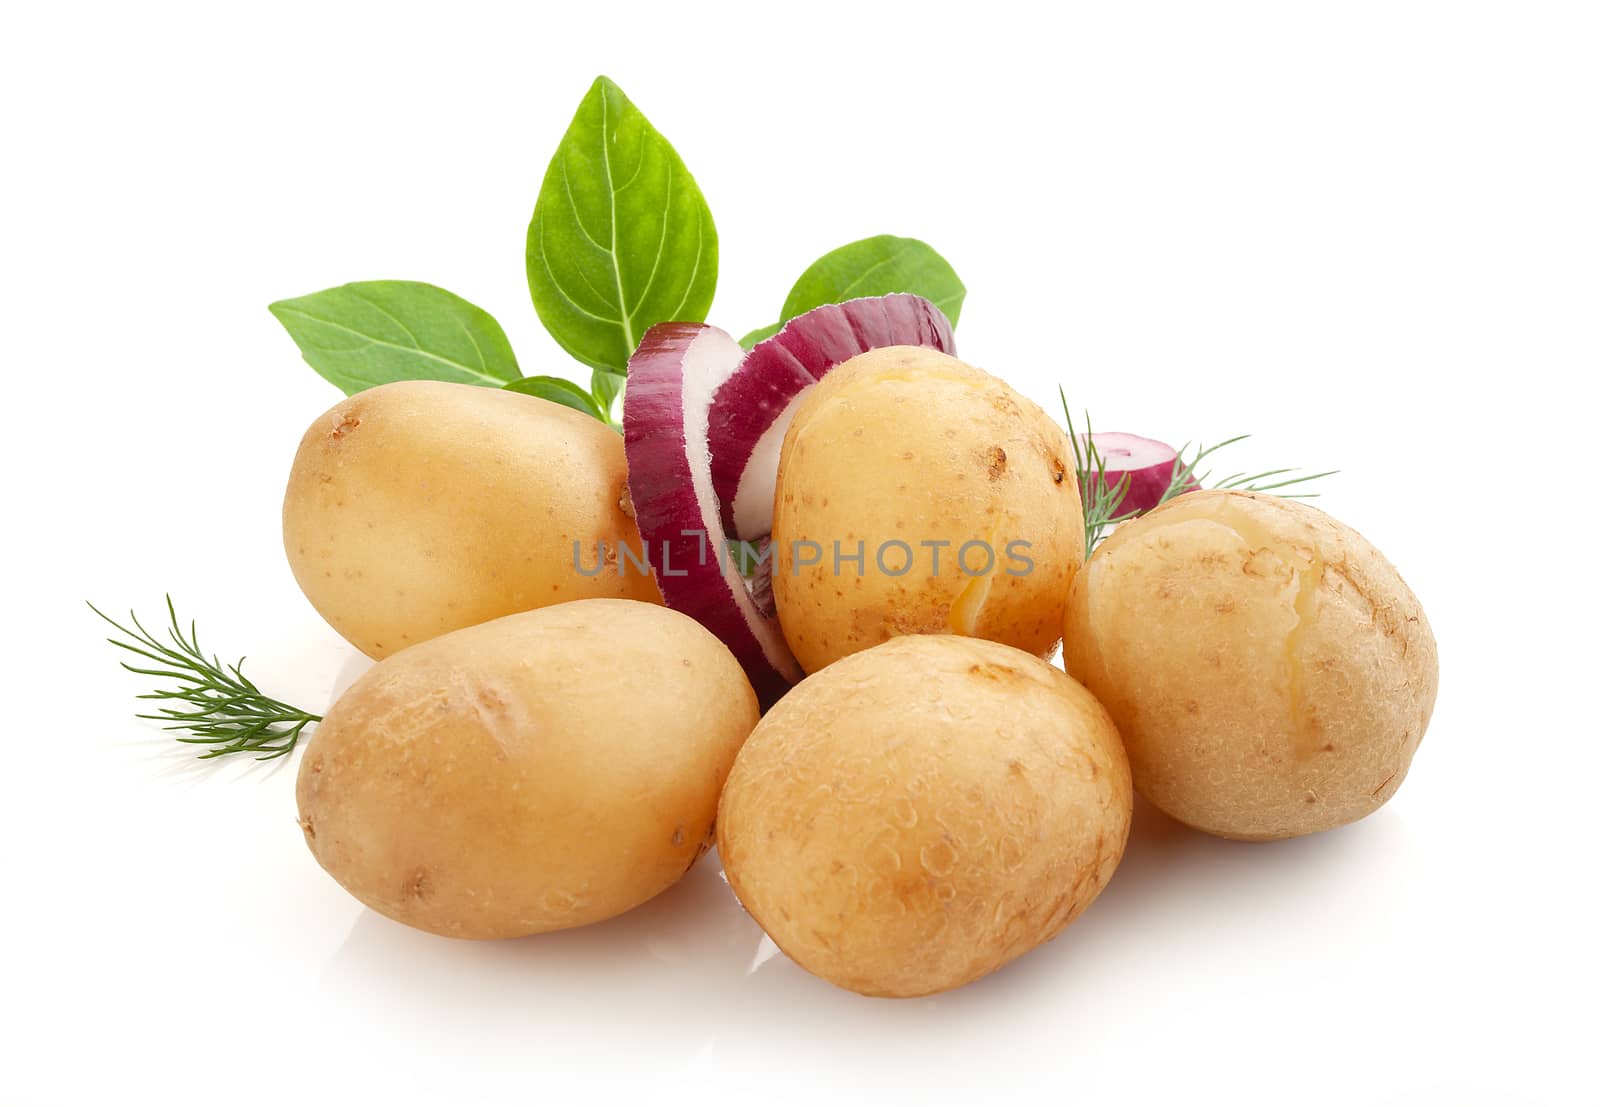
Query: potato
894, 452
544, 770
920, 813
1269, 671
421, 507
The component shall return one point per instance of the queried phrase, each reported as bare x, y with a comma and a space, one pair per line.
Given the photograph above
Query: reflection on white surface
690, 970
767, 950
689, 948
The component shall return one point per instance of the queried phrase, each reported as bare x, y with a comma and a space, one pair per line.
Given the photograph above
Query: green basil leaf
874, 266
374, 332
621, 238
558, 391
878, 266
760, 334
606, 385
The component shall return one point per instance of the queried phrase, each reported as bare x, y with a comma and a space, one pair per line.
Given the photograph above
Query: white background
1365, 232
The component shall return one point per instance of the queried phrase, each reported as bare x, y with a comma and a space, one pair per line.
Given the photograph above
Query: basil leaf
606, 385
375, 332
621, 238
558, 391
878, 266
760, 334
874, 266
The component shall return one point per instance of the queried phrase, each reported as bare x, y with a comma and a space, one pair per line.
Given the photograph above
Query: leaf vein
699, 239
661, 246
370, 340
611, 195
861, 277
415, 341
555, 283
572, 201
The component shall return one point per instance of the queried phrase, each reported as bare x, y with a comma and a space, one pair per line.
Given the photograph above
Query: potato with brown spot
504, 780
421, 507
958, 493
1268, 669
918, 814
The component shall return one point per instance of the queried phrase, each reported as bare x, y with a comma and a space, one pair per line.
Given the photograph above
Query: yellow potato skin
920, 813
1269, 671
904, 443
422, 507
545, 770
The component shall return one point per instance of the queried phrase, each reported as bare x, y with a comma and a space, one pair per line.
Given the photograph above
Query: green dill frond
221, 707
1102, 502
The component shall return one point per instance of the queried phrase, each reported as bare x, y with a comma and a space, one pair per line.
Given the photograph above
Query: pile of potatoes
538, 748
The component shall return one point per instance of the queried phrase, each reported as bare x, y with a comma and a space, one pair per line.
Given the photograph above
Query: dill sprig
225, 710
1102, 502
1183, 476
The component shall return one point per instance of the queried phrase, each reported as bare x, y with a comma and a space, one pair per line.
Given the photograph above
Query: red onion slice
672, 377
1146, 463
753, 408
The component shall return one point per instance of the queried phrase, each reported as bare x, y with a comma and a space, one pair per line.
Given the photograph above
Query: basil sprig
621, 238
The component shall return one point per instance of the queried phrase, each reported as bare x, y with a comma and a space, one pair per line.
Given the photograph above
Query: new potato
918, 814
1269, 671
421, 507
545, 770
907, 445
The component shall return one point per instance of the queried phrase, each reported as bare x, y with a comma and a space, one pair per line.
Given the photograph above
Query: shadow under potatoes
652, 975
690, 968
